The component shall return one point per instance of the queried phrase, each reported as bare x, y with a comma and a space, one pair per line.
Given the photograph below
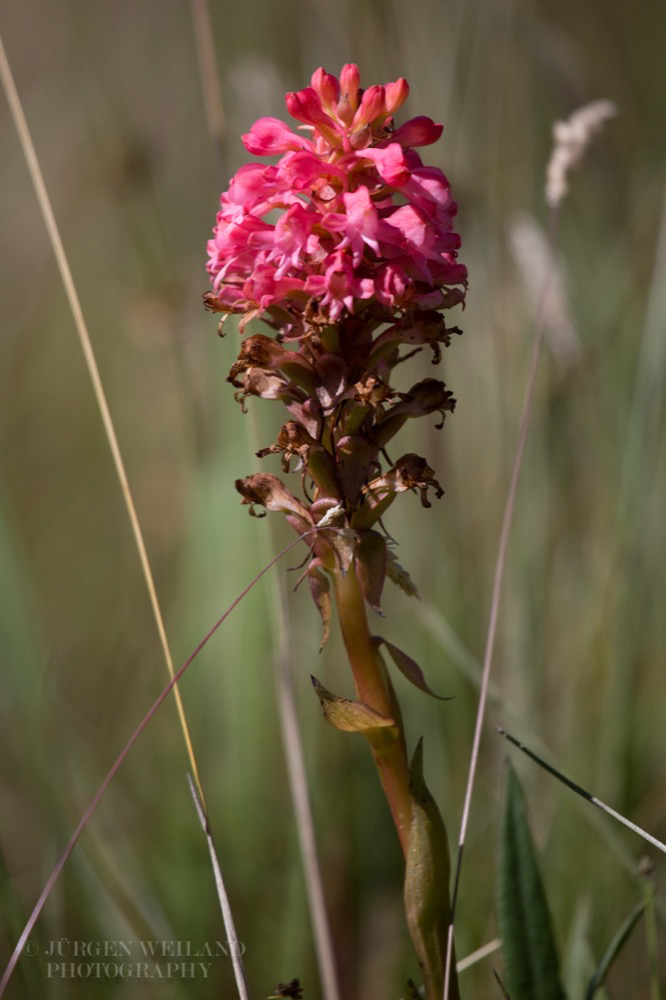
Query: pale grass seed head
571, 139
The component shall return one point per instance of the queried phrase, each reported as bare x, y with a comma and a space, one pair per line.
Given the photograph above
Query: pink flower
337, 287
348, 221
270, 135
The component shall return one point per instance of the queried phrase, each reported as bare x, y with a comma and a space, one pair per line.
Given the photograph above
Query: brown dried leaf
409, 667
320, 590
371, 563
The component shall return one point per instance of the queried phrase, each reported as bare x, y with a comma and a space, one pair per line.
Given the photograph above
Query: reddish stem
374, 689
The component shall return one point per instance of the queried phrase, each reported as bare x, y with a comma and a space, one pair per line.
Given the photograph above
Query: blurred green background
113, 95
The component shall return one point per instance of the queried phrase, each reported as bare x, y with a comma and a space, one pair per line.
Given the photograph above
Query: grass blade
613, 950
99, 794
100, 396
225, 906
500, 563
531, 962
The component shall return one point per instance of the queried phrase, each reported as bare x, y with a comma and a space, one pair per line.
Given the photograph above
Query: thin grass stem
225, 906
477, 956
98, 388
99, 794
579, 790
210, 77
500, 564
300, 798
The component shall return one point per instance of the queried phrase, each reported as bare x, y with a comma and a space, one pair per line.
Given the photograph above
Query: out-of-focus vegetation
113, 96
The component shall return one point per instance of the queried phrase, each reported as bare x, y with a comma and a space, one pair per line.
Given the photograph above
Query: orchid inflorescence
345, 247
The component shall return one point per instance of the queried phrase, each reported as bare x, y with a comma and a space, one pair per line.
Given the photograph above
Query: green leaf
613, 950
427, 873
350, 716
579, 961
530, 955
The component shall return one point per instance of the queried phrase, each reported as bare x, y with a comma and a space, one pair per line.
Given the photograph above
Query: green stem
374, 689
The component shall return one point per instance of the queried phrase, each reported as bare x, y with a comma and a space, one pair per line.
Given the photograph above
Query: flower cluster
345, 247
362, 222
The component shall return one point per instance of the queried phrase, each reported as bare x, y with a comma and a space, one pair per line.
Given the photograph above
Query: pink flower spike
348, 214
420, 131
396, 95
327, 88
269, 135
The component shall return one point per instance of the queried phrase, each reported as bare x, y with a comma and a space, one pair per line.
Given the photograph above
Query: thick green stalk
374, 689
416, 817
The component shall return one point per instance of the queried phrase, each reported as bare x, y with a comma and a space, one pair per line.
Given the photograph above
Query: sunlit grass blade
530, 955
96, 380
477, 956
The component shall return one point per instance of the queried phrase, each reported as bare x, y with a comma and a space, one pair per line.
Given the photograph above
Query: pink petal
396, 95
302, 169
373, 107
305, 106
327, 88
391, 163
420, 131
350, 80
269, 135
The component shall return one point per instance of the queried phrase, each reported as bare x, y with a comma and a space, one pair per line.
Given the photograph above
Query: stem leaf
320, 590
350, 716
409, 667
371, 562
427, 874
